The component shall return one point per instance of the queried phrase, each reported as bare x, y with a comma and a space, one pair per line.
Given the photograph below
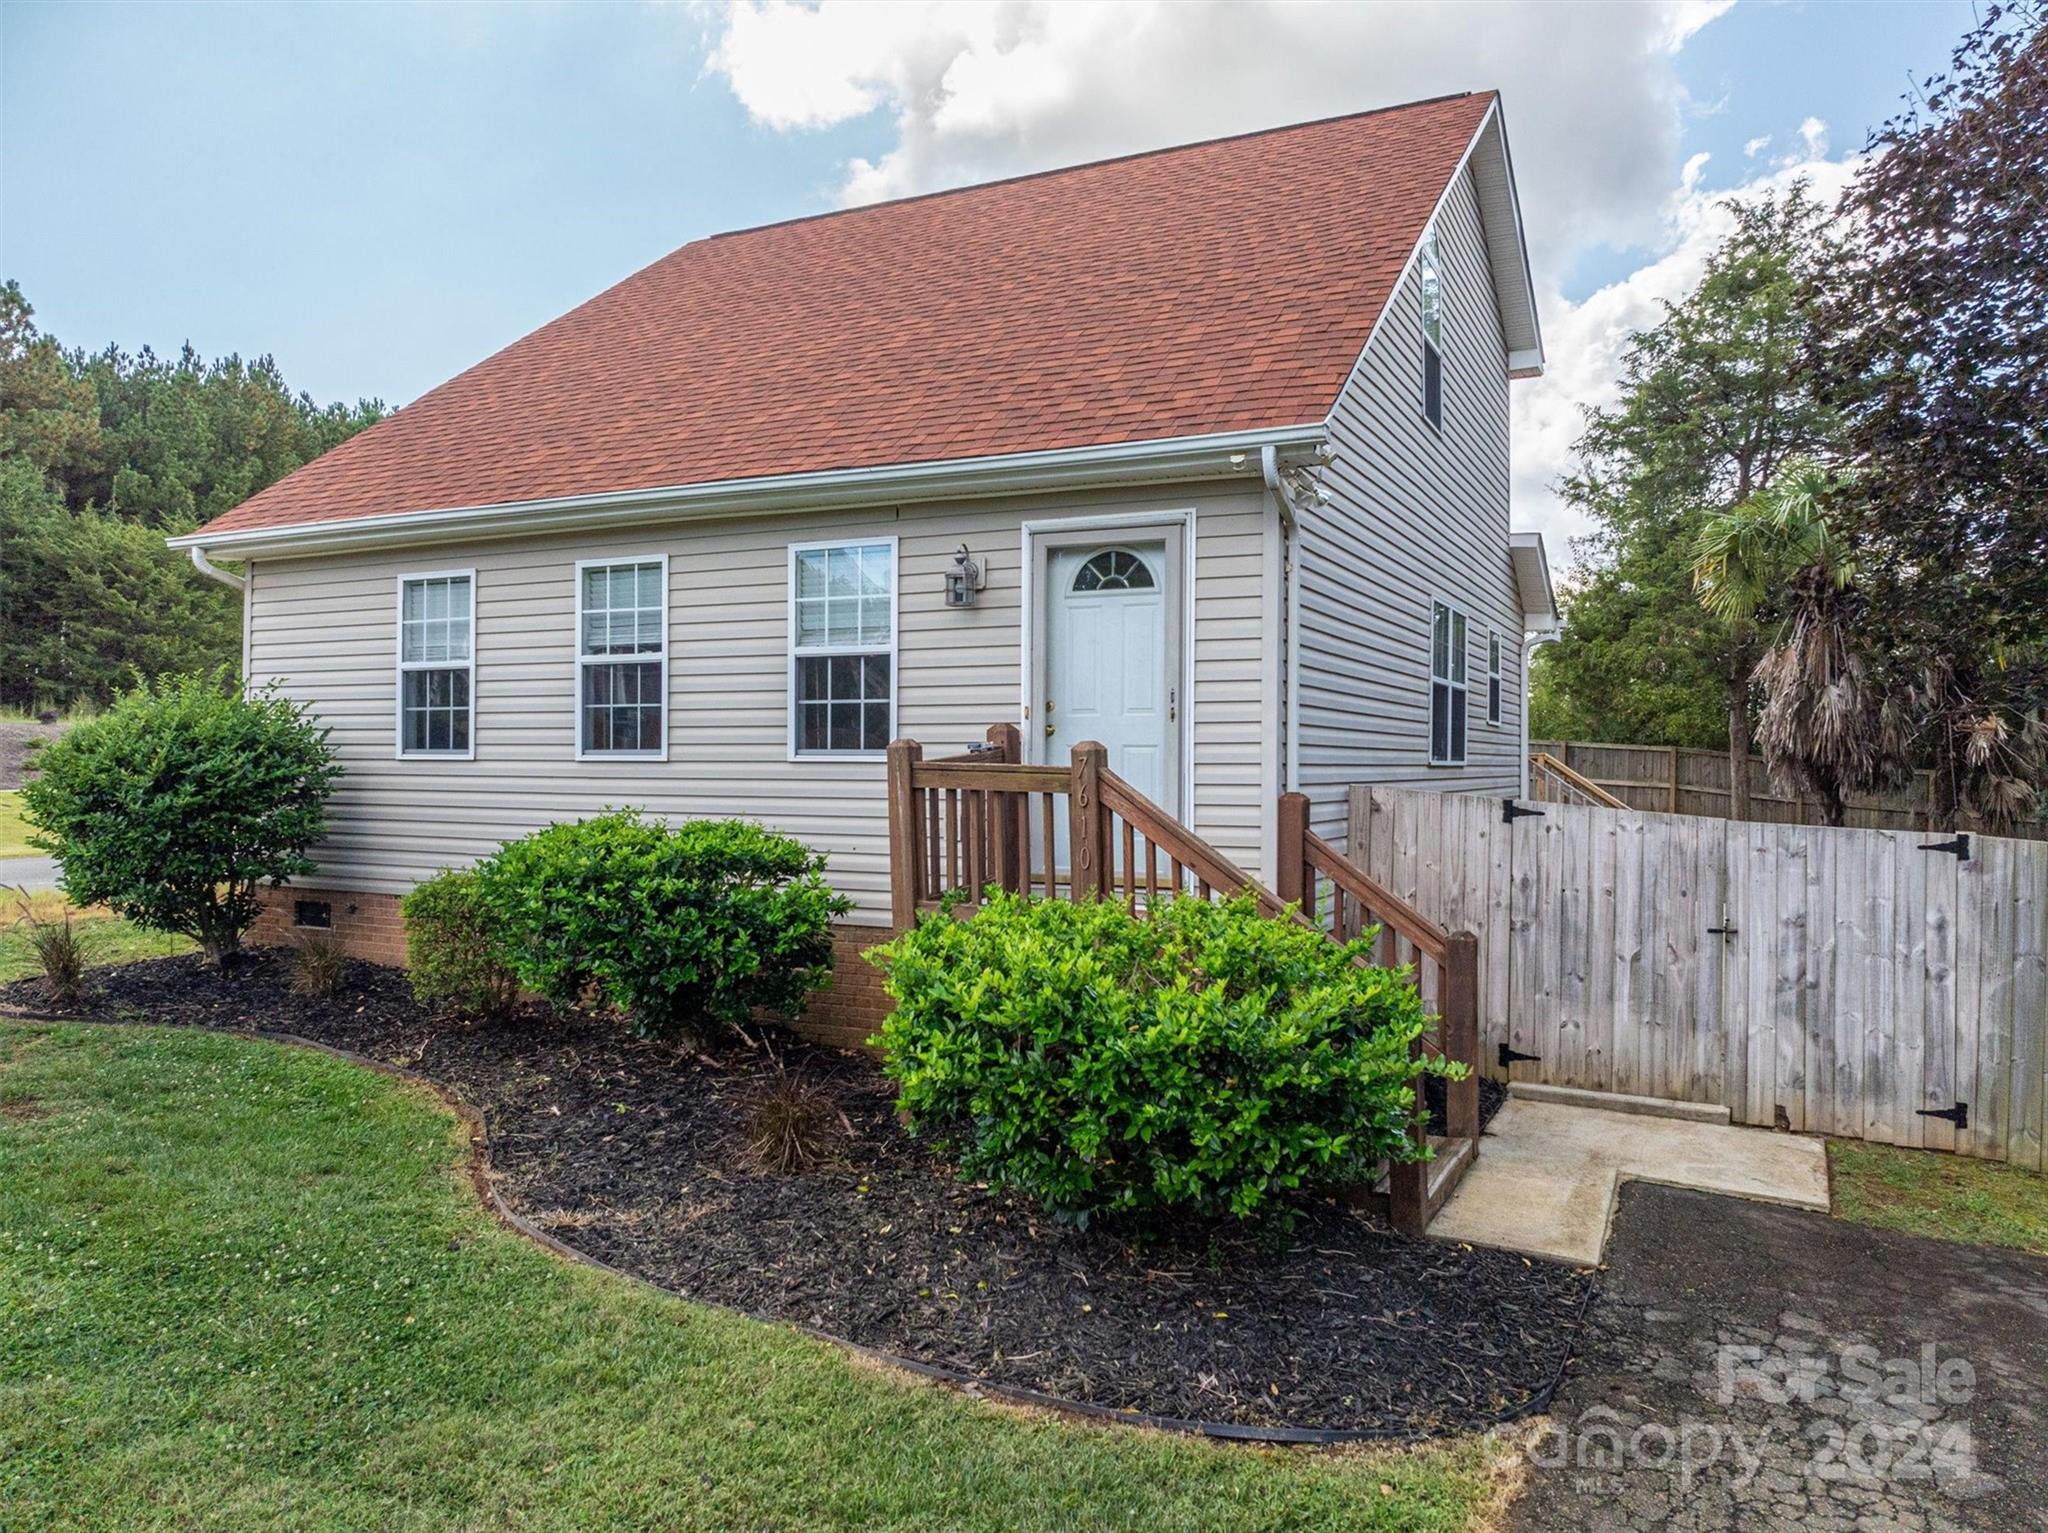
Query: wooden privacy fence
1875, 984
1678, 780
961, 825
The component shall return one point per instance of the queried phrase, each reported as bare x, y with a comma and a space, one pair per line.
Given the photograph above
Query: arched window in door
1114, 569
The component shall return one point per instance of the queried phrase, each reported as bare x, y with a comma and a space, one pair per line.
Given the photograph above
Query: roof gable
1219, 287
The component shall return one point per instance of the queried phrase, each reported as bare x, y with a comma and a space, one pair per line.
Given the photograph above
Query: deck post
1293, 883
1006, 744
1408, 1181
1461, 1033
1087, 840
905, 826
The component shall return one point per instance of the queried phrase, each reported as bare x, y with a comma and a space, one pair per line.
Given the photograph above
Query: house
1202, 453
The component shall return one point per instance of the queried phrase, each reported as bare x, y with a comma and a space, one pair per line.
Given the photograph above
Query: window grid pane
434, 620
844, 597
434, 712
624, 609
622, 706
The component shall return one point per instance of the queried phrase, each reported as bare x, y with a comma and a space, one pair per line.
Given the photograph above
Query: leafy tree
1716, 401
94, 605
1935, 351
176, 804
1830, 723
103, 455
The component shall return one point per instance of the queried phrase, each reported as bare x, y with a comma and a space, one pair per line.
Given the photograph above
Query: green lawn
1951, 1197
14, 829
246, 1286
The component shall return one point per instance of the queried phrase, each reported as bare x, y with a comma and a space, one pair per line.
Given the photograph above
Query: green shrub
455, 957
1205, 1060
179, 801
678, 927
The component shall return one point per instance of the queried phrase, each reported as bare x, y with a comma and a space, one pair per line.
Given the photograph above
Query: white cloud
1756, 146
986, 88
978, 89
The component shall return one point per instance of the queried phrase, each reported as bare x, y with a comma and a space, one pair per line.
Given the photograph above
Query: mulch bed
634, 1154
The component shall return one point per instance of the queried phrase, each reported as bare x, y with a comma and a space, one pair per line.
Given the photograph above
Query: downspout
1290, 544
213, 572
1531, 642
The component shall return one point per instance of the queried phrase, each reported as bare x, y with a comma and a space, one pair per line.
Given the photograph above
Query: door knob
1048, 729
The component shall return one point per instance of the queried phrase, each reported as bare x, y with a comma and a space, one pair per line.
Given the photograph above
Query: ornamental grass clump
684, 930
1204, 1060
61, 950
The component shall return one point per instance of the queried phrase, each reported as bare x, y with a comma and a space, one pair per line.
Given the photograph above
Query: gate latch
1510, 811
1958, 848
1724, 931
1959, 1114
1508, 1056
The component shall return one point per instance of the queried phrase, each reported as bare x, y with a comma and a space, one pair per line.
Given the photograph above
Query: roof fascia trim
1218, 455
1528, 368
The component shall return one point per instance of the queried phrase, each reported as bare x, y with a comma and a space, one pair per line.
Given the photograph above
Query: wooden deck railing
1552, 782
1339, 897
961, 825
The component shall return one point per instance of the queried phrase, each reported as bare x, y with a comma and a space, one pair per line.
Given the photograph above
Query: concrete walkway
1548, 1174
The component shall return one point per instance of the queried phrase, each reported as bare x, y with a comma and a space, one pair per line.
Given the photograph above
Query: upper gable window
1432, 330
1446, 685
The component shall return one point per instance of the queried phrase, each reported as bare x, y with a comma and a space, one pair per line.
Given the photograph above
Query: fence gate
1875, 984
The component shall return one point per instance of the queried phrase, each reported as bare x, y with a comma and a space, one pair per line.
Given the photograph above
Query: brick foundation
368, 926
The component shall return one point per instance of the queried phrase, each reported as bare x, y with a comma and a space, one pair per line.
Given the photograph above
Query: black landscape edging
485, 1185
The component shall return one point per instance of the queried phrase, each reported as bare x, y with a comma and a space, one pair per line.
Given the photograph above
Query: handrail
1543, 764
1394, 912
1210, 867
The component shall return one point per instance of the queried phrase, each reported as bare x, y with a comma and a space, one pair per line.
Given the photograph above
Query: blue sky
381, 195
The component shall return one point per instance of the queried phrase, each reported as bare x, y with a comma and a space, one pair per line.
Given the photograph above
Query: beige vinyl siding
325, 629
1411, 515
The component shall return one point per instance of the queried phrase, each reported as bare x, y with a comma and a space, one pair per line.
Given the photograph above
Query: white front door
1111, 660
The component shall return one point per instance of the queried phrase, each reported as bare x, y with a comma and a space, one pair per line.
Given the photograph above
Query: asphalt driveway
1755, 1366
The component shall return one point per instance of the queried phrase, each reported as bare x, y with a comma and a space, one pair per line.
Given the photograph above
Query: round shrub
1204, 1060
702, 923
454, 955
175, 804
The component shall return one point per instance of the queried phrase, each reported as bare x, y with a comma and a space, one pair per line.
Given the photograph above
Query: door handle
1048, 729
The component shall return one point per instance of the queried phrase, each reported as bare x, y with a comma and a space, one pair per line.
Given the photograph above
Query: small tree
1830, 724
178, 802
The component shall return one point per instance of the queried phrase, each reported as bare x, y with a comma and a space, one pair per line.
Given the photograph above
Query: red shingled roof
1222, 286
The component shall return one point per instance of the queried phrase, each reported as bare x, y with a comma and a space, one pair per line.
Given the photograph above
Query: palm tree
1829, 725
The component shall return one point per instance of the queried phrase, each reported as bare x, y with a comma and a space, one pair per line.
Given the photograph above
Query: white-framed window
1431, 273
622, 658
437, 664
1493, 699
842, 647
1447, 699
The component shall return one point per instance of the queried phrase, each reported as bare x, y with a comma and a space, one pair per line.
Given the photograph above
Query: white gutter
199, 563
1219, 455
1531, 642
1290, 517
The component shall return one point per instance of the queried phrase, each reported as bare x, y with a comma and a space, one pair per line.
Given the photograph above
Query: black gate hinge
1508, 1056
1959, 1114
1958, 848
1510, 811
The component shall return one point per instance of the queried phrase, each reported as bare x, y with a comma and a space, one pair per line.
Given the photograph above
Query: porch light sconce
963, 580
